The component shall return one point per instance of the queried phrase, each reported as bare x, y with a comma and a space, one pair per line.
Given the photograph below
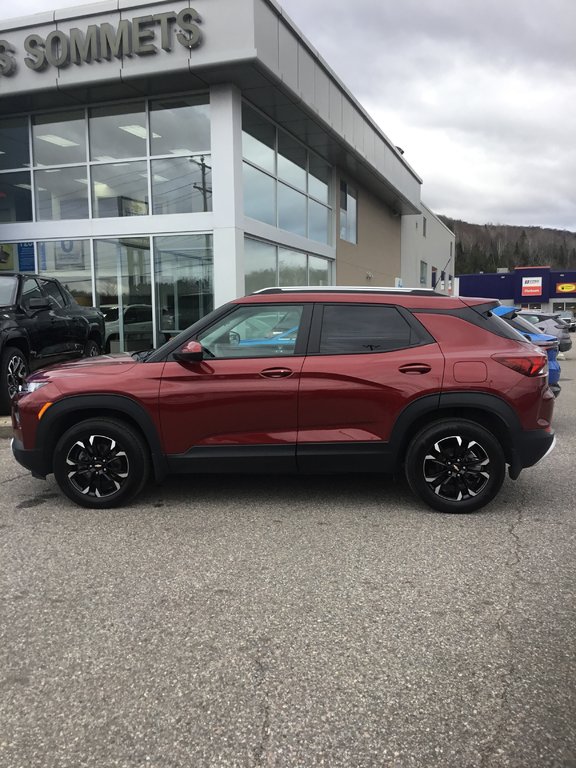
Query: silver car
551, 323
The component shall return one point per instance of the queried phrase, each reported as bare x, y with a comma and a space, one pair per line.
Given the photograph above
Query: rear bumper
32, 460
532, 446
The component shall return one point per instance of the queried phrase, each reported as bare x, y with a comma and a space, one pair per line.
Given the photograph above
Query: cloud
481, 96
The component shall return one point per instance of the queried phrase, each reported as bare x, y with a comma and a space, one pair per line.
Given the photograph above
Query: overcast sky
480, 94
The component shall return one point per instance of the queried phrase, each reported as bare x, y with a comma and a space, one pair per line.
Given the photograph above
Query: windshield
8, 286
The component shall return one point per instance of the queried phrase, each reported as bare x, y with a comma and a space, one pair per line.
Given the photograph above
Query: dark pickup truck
40, 324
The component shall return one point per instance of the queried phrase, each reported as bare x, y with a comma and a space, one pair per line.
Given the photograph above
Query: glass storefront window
292, 267
319, 179
14, 144
120, 189
260, 268
267, 265
299, 179
17, 257
59, 138
182, 185
69, 262
15, 197
258, 140
291, 210
259, 195
291, 161
118, 132
319, 271
318, 221
61, 193
183, 266
180, 126
124, 292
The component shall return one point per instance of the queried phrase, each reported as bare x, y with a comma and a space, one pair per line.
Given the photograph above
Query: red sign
531, 286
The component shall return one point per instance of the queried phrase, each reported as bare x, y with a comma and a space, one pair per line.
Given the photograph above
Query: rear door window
360, 329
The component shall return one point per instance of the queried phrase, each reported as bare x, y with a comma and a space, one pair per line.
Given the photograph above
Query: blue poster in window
26, 257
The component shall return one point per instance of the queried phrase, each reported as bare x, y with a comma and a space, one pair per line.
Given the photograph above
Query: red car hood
93, 366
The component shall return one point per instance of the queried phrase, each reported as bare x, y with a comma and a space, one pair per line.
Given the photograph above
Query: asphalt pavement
291, 622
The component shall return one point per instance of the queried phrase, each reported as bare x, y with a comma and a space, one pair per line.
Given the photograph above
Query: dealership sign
565, 287
531, 286
140, 36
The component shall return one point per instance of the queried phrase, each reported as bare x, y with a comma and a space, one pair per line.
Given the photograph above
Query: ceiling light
60, 141
139, 131
105, 158
181, 151
23, 186
81, 181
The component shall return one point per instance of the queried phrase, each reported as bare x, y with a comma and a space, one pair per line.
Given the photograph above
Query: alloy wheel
456, 468
16, 372
97, 466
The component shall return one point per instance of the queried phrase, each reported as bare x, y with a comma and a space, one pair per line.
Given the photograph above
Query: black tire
13, 370
92, 348
455, 466
101, 463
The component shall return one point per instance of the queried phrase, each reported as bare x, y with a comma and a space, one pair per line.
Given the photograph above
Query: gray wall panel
288, 55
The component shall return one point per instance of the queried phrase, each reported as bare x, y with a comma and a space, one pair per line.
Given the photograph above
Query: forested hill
487, 247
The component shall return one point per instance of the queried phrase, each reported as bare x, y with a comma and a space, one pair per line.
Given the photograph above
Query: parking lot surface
291, 622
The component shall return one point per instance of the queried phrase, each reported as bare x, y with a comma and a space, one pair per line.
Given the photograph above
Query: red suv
301, 380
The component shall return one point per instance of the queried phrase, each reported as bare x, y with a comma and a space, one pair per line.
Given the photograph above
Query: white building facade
161, 159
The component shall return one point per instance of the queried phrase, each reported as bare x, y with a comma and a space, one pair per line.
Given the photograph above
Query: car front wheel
455, 466
101, 463
91, 348
14, 369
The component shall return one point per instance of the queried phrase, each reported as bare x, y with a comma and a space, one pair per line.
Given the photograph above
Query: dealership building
540, 288
161, 159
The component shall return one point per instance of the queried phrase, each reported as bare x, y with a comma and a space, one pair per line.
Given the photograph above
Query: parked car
40, 324
549, 323
377, 380
543, 340
568, 316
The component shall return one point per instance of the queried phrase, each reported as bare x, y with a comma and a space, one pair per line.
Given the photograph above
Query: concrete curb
5, 426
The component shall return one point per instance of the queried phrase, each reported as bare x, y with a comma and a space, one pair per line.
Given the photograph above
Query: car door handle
415, 368
276, 373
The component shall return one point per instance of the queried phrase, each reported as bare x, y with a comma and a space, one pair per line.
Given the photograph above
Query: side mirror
39, 303
191, 352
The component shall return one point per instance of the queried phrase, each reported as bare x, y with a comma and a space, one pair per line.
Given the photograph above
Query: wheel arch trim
101, 406
431, 408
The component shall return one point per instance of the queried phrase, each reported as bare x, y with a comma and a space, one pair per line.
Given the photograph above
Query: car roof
408, 297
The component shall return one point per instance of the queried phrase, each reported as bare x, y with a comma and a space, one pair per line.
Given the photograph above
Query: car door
237, 407
69, 327
43, 326
366, 363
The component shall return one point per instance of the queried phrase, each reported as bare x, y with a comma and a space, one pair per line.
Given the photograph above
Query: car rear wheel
13, 371
101, 463
455, 466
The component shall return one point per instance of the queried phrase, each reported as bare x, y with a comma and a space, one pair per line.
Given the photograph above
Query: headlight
32, 386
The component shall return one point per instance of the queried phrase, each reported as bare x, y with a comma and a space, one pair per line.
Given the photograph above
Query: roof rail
347, 289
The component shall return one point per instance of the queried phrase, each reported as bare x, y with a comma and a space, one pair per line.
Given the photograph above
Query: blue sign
26, 257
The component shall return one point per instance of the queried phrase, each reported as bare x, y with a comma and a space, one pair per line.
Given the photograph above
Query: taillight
528, 365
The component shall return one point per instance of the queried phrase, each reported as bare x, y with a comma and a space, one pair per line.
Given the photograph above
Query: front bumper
33, 460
